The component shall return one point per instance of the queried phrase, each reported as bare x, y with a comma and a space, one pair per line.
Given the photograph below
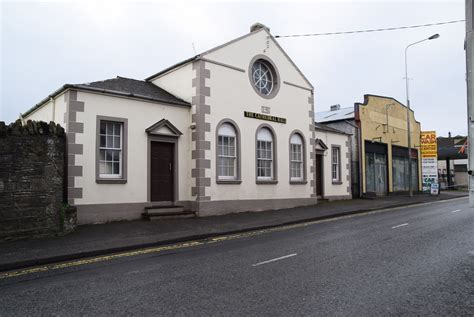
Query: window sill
336, 182
111, 181
266, 182
228, 181
298, 182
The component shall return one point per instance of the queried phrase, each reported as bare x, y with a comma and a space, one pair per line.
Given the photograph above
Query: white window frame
227, 130
296, 141
105, 148
267, 139
336, 163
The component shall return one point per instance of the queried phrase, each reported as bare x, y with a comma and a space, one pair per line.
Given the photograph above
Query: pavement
93, 240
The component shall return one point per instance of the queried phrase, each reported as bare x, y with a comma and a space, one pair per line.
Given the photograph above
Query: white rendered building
228, 130
333, 163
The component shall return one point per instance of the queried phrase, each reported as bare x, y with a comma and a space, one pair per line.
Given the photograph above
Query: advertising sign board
429, 159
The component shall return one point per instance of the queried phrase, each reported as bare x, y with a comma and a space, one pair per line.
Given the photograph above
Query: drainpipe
53, 100
359, 140
359, 168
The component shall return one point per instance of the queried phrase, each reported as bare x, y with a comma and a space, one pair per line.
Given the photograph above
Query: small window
110, 149
336, 164
226, 152
265, 149
296, 158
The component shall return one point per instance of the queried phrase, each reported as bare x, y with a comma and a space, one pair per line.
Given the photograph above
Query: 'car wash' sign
429, 160
262, 116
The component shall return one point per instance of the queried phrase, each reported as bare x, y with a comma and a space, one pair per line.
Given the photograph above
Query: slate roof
328, 129
137, 88
335, 115
121, 86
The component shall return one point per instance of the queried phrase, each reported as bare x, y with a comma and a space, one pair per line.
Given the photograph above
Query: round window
263, 77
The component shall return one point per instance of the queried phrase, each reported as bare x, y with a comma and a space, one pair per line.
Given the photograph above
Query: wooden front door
161, 171
319, 175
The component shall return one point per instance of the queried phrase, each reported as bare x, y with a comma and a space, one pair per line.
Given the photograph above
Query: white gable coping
202, 56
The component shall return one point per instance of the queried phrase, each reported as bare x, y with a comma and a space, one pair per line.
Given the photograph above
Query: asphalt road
408, 261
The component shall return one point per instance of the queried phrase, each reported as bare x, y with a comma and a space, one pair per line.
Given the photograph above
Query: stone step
166, 212
168, 215
163, 209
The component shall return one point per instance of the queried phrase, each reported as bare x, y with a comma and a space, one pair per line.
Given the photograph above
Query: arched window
296, 158
265, 155
227, 152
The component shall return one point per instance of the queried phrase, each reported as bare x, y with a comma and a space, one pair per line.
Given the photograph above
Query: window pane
117, 142
109, 141
102, 155
102, 167
102, 127
108, 155
108, 168
102, 141
116, 167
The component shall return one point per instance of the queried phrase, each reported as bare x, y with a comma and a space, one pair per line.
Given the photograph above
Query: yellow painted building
383, 154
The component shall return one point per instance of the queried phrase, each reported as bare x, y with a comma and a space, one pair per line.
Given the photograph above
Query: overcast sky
45, 45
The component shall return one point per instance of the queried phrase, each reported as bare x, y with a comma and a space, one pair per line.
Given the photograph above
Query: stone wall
32, 178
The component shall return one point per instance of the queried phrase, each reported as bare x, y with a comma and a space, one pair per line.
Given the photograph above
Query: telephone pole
470, 108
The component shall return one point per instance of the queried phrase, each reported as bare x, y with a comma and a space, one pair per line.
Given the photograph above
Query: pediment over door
320, 146
163, 128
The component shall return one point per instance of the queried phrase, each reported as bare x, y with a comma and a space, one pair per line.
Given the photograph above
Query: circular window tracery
263, 77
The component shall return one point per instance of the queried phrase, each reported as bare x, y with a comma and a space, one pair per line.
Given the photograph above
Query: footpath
93, 240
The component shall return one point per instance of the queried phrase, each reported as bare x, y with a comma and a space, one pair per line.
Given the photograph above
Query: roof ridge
121, 77
108, 79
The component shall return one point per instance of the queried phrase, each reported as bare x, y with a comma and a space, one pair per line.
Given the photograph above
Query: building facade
333, 163
379, 144
384, 146
343, 119
228, 130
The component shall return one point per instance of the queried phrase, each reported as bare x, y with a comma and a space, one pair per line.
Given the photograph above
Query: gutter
100, 90
48, 98
126, 94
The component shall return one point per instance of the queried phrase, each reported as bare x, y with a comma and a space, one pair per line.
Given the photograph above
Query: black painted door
161, 169
319, 175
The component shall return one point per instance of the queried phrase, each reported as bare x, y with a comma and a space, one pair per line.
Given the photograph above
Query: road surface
415, 260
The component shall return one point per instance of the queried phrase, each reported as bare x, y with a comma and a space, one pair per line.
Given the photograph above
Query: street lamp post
432, 37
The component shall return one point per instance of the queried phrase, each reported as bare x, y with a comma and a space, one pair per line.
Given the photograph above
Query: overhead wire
371, 30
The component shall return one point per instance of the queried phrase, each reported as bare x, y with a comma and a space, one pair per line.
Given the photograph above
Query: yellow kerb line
57, 266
